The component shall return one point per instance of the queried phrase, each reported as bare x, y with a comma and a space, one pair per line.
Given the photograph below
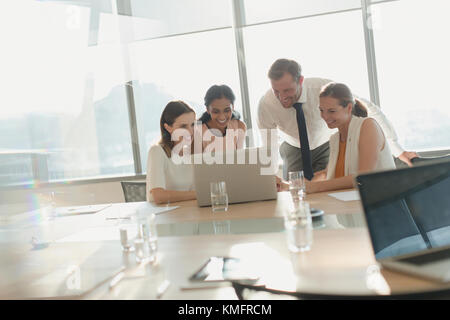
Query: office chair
244, 291
134, 191
422, 160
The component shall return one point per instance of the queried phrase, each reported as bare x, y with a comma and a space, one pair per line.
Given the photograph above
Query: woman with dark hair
168, 181
359, 145
221, 126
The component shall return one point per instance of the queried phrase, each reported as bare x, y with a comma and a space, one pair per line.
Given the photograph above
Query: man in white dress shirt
276, 111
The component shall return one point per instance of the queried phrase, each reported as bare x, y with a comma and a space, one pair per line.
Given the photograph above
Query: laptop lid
407, 212
248, 174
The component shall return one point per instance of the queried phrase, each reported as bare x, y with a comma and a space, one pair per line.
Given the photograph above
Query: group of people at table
303, 111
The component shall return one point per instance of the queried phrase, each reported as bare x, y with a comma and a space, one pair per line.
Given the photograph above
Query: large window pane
330, 46
412, 60
57, 121
183, 68
268, 10
159, 18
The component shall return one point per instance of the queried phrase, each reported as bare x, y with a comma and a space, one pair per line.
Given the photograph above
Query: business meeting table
80, 256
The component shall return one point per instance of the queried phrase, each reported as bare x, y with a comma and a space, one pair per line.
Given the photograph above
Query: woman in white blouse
359, 146
168, 180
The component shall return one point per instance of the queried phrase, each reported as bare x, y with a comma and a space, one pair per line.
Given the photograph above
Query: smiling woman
221, 126
359, 146
168, 181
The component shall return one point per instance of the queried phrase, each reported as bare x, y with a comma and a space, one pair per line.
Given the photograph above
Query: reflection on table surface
263, 225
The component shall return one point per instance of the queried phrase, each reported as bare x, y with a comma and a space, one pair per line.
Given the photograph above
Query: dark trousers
292, 158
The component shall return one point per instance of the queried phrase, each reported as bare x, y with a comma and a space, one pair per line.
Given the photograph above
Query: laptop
249, 175
407, 212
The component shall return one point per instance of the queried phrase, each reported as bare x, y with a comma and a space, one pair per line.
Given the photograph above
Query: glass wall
412, 55
65, 65
61, 100
326, 46
260, 11
180, 68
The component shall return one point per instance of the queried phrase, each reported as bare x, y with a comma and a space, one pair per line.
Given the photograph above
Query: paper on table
126, 210
112, 232
65, 211
100, 234
148, 208
346, 196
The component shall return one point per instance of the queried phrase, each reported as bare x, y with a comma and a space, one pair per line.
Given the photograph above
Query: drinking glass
221, 227
147, 237
297, 185
298, 225
219, 196
125, 240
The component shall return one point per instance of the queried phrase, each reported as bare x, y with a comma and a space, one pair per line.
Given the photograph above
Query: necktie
304, 143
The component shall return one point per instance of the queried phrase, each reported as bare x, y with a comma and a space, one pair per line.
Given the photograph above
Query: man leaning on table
292, 107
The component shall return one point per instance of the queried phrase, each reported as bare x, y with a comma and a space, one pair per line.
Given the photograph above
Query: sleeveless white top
385, 160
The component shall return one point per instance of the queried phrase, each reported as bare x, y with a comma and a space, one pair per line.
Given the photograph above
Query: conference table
80, 256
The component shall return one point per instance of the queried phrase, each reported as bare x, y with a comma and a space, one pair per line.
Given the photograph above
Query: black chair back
134, 191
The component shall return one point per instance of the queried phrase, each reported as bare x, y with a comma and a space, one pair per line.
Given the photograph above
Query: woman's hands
281, 185
311, 186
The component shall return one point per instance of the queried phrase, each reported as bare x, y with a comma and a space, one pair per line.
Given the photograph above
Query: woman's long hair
342, 93
171, 112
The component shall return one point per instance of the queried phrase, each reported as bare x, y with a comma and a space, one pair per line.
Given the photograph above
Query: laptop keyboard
428, 257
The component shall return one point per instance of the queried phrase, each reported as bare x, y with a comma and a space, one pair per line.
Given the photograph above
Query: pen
116, 280
162, 288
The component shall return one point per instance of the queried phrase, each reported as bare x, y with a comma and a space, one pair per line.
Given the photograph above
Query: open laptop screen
407, 210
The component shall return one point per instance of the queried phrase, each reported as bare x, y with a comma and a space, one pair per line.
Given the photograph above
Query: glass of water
297, 185
219, 196
298, 225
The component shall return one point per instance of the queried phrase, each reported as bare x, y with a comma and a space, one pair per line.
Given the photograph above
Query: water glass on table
124, 239
298, 225
219, 196
146, 242
297, 185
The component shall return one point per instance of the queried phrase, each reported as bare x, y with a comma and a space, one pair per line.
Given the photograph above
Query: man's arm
391, 136
266, 124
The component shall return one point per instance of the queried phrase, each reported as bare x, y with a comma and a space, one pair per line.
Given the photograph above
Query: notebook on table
407, 212
76, 210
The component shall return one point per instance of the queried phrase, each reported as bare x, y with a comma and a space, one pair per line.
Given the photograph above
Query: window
180, 68
328, 46
412, 60
257, 11
65, 66
158, 18
63, 107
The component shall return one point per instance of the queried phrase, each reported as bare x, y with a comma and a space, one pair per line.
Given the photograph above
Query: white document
149, 208
108, 233
128, 209
65, 211
100, 234
346, 196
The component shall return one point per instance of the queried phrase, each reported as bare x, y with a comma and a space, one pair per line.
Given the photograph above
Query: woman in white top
221, 127
168, 180
359, 146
